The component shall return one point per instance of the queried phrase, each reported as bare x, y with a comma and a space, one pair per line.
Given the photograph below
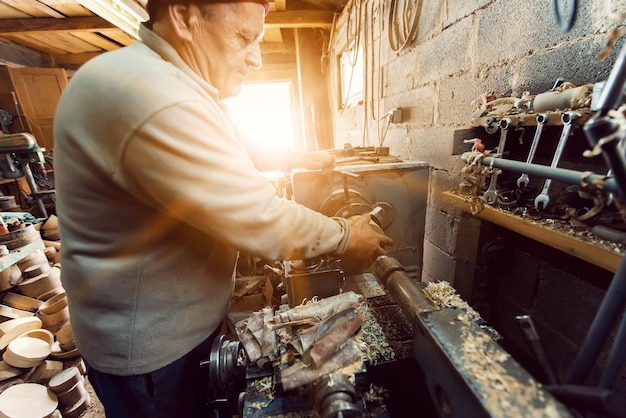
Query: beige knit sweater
156, 193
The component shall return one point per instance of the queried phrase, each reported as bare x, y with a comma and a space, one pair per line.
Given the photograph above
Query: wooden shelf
594, 254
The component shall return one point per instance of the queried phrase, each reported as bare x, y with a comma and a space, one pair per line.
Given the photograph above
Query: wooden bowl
10, 330
7, 313
36, 270
54, 320
54, 304
40, 285
72, 395
78, 408
50, 293
20, 237
42, 334
26, 352
45, 370
27, 400
65, 334
33, 259
65, 379
17, 301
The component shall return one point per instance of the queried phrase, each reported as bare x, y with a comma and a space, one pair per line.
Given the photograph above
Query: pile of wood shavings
264, 386
500, 391
371, 340
443, 295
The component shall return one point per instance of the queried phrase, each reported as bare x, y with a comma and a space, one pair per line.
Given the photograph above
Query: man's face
231, 36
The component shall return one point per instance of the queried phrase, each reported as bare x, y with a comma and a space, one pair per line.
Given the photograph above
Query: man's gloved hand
365, 243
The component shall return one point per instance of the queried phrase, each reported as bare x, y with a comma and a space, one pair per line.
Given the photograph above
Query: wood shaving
443, 295
371, 340
265, 386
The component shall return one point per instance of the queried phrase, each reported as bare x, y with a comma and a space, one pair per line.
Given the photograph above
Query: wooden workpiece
594, 254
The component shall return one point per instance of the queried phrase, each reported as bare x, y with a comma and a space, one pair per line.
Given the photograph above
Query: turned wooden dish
27, 400
26, 352
12, 329
54, 304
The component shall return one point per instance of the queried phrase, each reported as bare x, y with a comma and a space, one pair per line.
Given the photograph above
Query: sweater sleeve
187, 161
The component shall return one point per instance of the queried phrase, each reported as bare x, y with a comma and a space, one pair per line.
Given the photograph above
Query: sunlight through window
264, 112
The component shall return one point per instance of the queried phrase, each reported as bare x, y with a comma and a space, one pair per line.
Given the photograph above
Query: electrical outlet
396, 115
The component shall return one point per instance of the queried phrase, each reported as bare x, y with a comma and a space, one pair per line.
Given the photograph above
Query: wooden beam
300, 19
51, 24
73, 59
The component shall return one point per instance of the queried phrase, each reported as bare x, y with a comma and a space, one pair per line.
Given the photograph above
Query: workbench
606, 258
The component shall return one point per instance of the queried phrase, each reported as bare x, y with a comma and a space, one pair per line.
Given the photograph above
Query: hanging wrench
491, 194
542, 118
542, 200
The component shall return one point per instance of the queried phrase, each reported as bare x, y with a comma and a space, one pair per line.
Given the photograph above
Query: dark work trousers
177, 390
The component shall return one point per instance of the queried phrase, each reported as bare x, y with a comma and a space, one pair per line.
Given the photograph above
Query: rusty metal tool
532, 337
491, 194
543, 199
542, 118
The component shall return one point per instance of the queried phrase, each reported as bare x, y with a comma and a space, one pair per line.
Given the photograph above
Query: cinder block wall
461, 50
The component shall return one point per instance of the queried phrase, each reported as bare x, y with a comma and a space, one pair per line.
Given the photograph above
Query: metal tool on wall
543, 199
491, 194
542, 118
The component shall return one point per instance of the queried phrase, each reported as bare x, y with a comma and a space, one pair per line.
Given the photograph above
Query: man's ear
184, 21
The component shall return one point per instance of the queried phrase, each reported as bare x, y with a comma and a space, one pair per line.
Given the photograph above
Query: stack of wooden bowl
36, 340
69, 387
29, 348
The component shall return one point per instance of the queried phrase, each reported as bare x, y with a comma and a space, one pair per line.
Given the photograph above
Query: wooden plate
65, 335
45, 370
27, 400
58, 354
54, 304
7, 313
10, 330
26, 352
17, 301
65, 379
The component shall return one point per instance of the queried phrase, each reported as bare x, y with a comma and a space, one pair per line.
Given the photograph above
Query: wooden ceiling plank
50, 24
36, 44
118, 35
33, 8
73, 59
300, 19
70, 8
64, 43
96, 40
8, 12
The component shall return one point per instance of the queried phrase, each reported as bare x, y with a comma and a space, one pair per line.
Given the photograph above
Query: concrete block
399, 76
509, 30
446, 53
441, 230
438, 265
574, 63
458, 9
431, 20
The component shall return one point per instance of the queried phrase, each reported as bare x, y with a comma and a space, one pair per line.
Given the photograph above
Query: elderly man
157, 191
